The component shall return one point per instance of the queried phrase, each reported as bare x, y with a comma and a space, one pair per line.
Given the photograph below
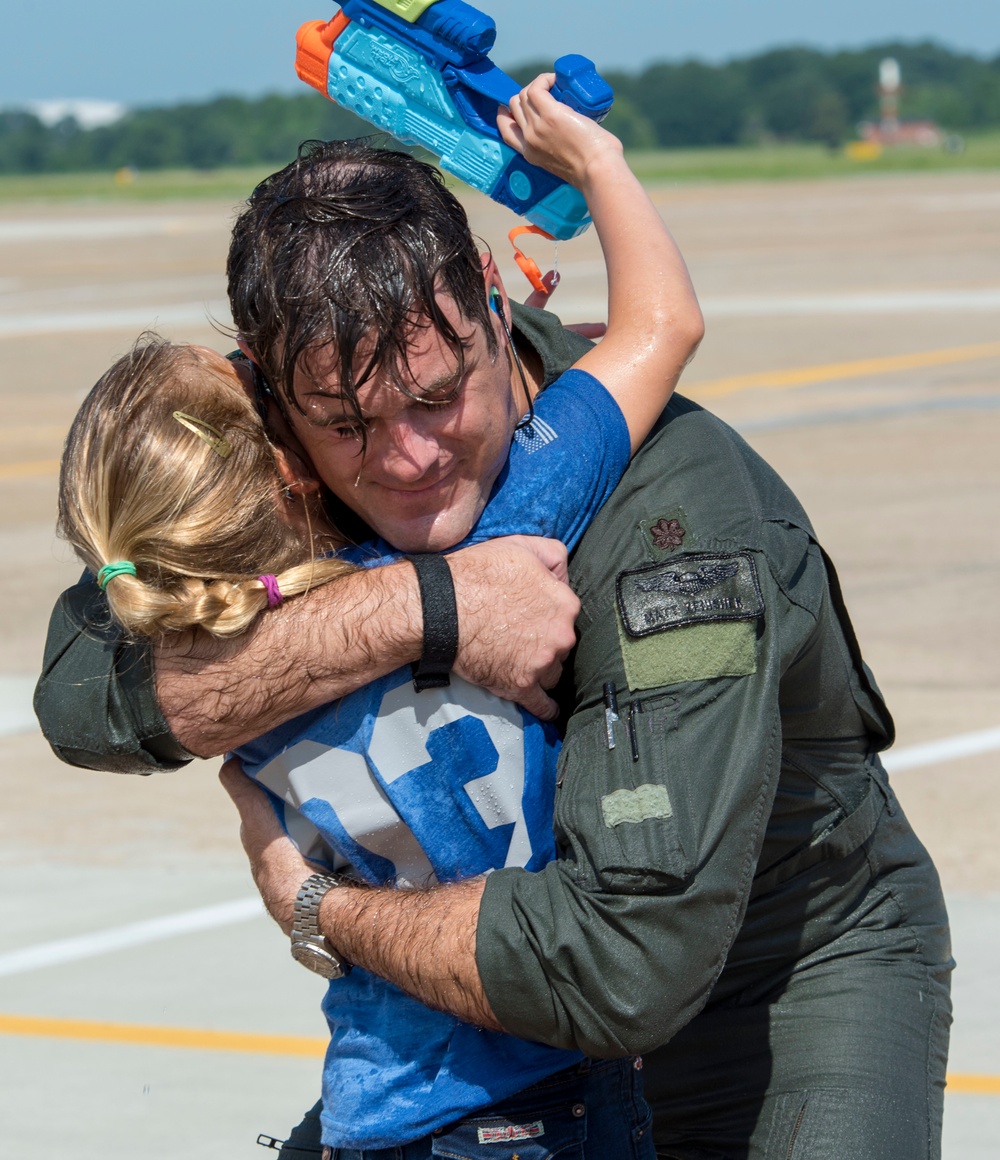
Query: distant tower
890, 131
890, 82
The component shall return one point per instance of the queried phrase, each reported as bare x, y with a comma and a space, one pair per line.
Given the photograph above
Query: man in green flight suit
739, 896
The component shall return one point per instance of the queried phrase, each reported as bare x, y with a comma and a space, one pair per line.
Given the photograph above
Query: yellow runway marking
834, 372
974, 1085
29, 470
192, 1039
245, 1043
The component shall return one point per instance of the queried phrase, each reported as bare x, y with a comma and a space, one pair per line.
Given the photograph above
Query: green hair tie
110, 571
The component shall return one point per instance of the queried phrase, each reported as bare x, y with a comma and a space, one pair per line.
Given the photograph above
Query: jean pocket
642, 1138
541, 1134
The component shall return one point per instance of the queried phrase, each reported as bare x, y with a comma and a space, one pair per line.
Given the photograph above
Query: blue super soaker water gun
420, 70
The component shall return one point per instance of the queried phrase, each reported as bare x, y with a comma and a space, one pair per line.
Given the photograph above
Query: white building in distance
88, 114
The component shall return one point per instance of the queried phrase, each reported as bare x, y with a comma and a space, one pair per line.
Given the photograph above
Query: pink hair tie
274, 597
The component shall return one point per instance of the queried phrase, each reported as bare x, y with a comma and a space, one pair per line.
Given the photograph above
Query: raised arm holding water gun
654, 323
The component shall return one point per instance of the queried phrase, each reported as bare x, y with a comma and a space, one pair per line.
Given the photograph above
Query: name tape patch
505, 1133
698, 588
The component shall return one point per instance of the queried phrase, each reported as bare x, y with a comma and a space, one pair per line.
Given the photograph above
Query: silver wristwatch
309, 947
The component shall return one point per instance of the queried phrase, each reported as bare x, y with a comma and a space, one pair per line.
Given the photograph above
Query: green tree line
220, 132
793, 94
801, 94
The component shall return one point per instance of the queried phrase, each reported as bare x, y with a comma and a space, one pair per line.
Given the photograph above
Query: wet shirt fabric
416, 788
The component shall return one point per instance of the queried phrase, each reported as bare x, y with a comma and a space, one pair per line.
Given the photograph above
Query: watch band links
306, 920
308, 944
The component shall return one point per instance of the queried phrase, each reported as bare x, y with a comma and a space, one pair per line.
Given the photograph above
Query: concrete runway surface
853, 337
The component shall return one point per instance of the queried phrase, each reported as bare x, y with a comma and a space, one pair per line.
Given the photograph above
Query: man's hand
515, 616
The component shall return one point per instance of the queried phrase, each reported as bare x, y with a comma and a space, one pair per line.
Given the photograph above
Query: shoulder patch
697, 588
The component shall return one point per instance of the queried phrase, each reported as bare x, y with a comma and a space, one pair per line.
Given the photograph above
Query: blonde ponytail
200, 527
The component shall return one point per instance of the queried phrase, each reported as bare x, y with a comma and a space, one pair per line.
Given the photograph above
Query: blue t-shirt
412, 789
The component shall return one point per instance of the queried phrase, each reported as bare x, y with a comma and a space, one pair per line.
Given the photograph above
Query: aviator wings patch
698, 588
682, 583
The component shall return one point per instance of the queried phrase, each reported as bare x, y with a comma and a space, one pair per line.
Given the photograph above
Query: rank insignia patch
697, 588
667, 534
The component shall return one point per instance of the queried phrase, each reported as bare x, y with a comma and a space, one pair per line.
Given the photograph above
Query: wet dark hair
350, 244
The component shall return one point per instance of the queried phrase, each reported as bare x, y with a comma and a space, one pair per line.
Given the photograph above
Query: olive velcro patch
697, 588
641, 804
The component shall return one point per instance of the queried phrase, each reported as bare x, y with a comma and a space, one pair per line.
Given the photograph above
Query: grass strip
657, 166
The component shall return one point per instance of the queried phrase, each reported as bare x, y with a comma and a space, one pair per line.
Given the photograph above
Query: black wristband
437, 598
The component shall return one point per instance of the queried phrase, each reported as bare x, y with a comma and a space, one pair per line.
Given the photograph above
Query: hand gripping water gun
419, 70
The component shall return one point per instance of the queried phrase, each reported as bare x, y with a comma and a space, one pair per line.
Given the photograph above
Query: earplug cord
496, 305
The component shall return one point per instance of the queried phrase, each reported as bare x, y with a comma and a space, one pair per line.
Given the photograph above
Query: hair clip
207, 433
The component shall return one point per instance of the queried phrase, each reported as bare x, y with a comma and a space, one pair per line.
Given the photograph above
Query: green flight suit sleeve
96, 697
617, 945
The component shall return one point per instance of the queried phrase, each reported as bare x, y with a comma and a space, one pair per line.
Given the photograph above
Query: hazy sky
141, 52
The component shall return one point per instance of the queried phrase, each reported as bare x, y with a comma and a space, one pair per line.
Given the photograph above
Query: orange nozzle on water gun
315, 41
529, 267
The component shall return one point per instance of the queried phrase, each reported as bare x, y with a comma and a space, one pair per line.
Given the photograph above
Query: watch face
317, 959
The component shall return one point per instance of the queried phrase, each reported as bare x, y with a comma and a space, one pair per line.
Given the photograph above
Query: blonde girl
175, 498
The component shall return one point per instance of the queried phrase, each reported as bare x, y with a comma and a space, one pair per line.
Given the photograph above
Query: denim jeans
591, 1111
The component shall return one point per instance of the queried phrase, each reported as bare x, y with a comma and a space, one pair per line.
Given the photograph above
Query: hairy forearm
216, 695
423, 941
515, 623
